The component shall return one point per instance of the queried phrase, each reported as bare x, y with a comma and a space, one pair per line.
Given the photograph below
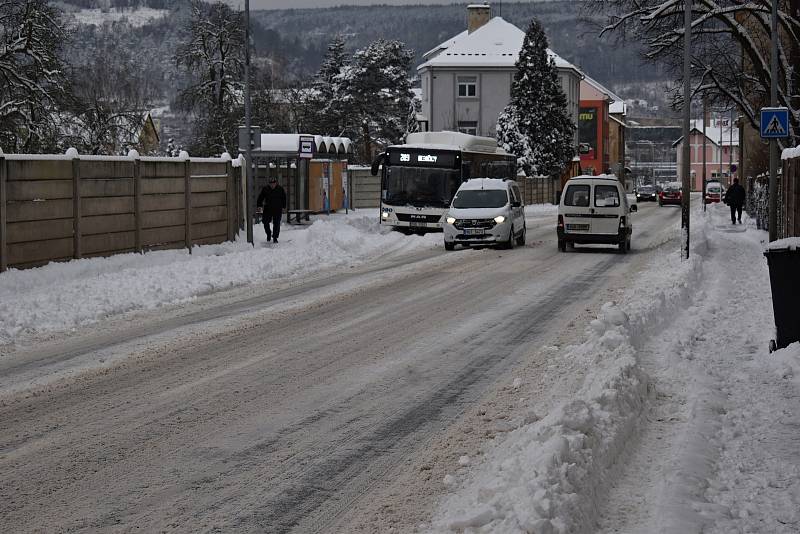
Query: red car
713, 192
670, 194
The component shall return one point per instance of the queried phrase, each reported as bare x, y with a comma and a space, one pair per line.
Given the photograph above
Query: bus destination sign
418, 158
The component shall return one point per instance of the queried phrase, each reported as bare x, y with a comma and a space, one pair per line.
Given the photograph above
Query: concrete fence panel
55, 207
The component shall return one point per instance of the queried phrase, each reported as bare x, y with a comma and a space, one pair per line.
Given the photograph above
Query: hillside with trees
119, 59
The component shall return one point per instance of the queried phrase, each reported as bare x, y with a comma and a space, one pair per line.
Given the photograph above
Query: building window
468, 127
467, 86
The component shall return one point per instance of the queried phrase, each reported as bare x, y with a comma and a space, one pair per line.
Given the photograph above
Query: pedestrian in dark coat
273, 199
734, 198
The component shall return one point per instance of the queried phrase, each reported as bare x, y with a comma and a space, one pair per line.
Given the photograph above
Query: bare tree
730, 48
213, 57
31, 73
112, 89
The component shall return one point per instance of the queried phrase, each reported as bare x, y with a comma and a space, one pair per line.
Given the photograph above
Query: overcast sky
284, 4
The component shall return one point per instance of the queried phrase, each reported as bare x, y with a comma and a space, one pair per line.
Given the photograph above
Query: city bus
419, 178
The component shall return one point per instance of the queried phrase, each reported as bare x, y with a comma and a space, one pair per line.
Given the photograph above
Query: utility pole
730, 146
687, 109
719, 146
247, 122
773, 143
705, 117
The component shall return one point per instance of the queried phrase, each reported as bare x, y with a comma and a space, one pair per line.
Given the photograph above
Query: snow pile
785, 364
61, 296
545, 476
789, 243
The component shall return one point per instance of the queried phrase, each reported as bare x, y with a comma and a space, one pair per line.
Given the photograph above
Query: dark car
670, 194
646, 192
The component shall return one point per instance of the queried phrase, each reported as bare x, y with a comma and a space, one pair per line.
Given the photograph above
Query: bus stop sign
774, 123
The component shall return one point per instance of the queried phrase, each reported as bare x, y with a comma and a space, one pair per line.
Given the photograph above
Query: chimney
477, 16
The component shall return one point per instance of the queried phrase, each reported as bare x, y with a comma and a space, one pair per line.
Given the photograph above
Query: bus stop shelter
311, 168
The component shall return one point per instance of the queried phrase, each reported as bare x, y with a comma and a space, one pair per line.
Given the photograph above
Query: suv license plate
474, 231
578, 227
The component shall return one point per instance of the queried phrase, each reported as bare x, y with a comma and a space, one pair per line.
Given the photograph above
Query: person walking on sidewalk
734, 198
273, 198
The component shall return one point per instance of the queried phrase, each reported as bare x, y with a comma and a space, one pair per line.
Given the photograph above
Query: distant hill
290, 43
572, 35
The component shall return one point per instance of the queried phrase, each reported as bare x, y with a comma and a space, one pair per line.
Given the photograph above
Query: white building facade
466, 80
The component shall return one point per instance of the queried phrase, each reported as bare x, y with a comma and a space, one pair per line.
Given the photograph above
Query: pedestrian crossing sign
774, 123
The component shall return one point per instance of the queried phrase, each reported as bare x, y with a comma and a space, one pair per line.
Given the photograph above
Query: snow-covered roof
713, 133
495, 44
617, 105
447, 140
290, 143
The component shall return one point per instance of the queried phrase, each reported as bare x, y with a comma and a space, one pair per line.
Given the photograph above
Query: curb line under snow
544, 477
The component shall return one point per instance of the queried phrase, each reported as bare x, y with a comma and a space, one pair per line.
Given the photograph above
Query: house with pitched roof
466, 80
722, 151
601, 128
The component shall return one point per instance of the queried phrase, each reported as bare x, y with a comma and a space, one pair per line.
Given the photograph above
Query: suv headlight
499, 219
450, 220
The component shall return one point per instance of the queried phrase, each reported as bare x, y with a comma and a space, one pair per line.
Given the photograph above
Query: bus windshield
418, 186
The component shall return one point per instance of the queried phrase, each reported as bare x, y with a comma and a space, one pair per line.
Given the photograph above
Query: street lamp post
247, 123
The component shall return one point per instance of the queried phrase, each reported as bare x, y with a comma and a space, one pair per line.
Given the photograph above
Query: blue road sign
774, 123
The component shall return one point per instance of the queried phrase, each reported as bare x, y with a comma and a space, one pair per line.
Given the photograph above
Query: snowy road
302, 407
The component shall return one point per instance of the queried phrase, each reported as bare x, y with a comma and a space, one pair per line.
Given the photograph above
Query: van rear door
607, 209
577, 209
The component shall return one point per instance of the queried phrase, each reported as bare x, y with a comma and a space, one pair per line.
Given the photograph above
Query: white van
594, 209
485, 211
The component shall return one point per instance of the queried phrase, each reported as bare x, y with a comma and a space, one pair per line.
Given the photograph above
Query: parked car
714, 192
485, 211
670, 194
594, 209
646, 192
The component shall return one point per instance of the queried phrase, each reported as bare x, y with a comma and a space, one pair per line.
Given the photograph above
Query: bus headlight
384, 215
499, 219
451, 220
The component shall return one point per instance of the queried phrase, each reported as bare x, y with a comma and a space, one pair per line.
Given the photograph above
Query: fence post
229, 196
187, 190
3, 215
137, 201
76, 204
230, 201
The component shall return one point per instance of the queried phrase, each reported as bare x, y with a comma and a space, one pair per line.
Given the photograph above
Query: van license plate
578, 227
474, 231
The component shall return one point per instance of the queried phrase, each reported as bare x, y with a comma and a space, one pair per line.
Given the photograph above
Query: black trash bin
784, 278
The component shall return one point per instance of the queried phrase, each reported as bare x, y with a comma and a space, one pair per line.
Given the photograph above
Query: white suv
594, 209
485, 211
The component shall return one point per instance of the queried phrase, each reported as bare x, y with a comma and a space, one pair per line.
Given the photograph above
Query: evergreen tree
326, 89
376, 95
535, 125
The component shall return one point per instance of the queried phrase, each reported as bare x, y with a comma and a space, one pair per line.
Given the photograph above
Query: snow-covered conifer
535, 125
376, 95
